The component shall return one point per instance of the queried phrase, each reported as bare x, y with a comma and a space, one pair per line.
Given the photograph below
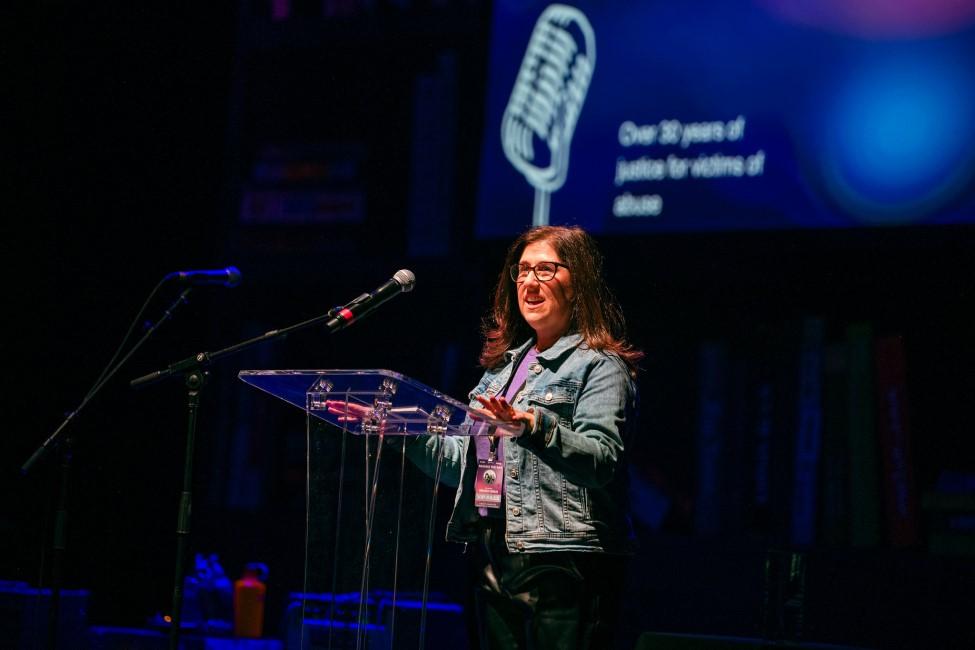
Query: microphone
546, 101
228, 277
401, 282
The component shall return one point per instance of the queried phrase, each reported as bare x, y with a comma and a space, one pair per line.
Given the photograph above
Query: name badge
487, 486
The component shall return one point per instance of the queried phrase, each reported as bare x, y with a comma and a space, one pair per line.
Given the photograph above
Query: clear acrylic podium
370, 515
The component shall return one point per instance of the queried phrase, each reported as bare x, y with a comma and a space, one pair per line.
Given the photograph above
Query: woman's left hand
500, 409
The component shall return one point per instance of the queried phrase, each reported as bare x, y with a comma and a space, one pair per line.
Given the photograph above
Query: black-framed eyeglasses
544, 271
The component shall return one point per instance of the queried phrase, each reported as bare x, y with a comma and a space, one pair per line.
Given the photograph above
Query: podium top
369, 402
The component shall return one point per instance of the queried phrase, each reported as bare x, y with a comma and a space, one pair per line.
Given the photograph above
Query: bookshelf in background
804, 439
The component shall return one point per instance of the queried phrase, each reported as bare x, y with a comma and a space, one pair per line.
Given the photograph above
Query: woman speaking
546, 510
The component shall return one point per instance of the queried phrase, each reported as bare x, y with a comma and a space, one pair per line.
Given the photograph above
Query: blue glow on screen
903, 131
842, 125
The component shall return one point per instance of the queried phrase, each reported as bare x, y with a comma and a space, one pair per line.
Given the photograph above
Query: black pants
537, 601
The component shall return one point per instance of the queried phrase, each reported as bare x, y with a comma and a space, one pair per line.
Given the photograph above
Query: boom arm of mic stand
196, 361
202, 359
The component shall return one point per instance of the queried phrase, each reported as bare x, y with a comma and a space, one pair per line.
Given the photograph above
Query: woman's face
545, 306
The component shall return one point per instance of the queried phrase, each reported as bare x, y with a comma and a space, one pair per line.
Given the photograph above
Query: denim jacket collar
563, 346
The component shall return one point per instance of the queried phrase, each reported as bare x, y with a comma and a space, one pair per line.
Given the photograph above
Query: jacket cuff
545, 423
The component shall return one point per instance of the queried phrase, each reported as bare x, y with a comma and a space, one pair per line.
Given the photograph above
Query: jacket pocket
563, 506
560, 398
577, 513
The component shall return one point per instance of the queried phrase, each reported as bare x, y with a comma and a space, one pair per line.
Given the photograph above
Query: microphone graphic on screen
541, 115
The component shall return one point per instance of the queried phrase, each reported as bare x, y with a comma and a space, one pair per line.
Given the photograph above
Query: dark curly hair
595, 313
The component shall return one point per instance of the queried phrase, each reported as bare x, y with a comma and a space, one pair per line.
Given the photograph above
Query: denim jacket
565, 482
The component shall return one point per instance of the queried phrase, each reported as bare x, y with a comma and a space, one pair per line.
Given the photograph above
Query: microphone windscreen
233, 276
405, 279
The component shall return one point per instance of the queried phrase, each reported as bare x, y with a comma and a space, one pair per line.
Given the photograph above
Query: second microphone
401, 282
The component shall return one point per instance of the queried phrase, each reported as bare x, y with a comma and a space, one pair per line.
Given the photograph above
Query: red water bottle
249, 594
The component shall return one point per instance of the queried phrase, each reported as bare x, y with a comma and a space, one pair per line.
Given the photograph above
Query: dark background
136, 130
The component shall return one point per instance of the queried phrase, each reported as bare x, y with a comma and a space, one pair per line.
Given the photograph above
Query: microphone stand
60, 539
194, 373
